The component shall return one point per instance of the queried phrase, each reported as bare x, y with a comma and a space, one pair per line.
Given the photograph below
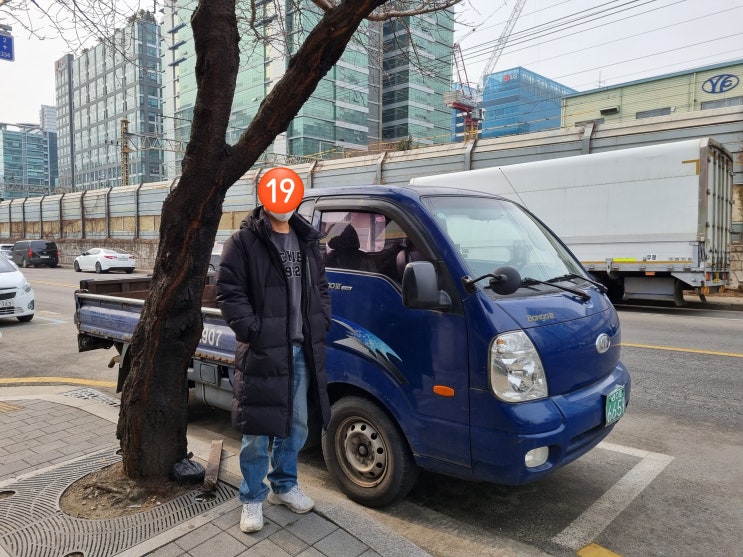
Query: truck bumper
569, 425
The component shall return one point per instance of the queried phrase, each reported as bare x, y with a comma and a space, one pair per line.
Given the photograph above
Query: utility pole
125, 150
134, 142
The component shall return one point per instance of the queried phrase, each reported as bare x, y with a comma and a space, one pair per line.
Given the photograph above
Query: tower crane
466, 99
131, 142
463, 99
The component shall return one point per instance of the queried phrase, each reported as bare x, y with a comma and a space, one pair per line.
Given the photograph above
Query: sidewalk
52, 436
729, 300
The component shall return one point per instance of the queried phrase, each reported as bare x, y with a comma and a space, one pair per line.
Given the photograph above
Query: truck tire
366, 454
614, 290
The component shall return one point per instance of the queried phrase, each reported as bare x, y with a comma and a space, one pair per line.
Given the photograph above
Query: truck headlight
516, 372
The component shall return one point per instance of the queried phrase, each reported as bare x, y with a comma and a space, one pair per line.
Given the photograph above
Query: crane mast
466, 99
502, 40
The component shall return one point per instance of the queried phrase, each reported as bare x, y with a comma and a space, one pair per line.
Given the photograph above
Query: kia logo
720, 83
603, 343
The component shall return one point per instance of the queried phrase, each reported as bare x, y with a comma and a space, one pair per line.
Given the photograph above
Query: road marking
589, 525
690, 350
595, 550
52, 283
5, 407
46, 316
73, 380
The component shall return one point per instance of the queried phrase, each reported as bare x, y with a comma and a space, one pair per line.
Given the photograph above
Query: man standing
272, 292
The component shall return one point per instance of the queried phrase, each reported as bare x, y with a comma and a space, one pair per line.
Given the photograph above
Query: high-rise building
48, 118
417, 72
27, 160
519, 101
386, 87
110, 90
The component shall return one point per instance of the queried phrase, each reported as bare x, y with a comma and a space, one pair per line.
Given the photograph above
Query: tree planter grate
33, 525
94, 395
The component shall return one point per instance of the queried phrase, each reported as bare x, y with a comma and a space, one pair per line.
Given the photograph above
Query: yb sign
720, 83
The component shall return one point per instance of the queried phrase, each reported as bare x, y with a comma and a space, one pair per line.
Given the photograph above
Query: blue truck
467, 340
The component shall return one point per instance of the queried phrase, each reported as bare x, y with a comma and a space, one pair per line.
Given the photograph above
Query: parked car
16, 295
216, 256
36, 253
6, 250
103, 260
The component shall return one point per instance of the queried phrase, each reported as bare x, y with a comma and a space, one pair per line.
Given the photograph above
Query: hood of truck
578, 342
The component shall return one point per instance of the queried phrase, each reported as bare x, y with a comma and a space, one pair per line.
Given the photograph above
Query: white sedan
16, 295
103, 260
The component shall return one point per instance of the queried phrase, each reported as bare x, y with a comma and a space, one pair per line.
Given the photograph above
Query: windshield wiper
528, 281
570, 276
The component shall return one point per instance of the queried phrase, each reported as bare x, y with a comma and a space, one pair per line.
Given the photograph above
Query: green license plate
615, 405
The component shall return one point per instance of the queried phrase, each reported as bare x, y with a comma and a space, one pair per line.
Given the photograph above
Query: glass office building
519, 101
117, 80
417, 72
28, 161
375, 94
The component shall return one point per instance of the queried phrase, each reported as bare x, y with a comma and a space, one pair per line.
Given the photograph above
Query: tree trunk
153, 417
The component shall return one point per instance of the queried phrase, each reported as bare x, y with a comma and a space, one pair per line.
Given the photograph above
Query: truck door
412, 361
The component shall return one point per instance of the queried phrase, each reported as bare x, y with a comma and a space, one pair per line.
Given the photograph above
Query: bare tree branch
387, 13
425, 7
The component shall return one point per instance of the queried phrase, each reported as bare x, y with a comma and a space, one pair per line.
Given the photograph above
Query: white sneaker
294, 499
251, 519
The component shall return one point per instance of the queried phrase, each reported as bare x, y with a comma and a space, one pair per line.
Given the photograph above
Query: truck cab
466, 340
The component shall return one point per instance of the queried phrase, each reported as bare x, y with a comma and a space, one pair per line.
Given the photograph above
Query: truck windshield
491, 233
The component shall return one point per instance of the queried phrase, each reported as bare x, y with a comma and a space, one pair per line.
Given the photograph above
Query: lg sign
720, 83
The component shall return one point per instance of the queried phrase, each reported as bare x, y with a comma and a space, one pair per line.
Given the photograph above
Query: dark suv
35, 252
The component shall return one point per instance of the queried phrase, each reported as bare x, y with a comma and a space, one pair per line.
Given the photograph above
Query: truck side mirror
420, 287
505, 280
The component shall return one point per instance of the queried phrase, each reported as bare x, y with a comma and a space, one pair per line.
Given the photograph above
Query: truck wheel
615, 291
367, 454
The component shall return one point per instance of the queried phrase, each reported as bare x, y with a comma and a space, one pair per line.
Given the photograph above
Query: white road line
47, 317
586, 528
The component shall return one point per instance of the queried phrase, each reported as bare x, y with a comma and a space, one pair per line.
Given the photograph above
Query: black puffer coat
253, 297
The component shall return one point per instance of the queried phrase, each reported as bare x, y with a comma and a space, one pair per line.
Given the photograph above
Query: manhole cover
94, 395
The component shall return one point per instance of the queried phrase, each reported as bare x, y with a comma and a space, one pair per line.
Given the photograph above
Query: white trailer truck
648, 222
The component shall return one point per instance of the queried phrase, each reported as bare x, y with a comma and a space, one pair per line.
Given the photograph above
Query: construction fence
128, 217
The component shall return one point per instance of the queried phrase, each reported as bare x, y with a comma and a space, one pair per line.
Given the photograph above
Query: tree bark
153, 416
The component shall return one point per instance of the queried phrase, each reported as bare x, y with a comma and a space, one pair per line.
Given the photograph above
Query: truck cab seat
346, 253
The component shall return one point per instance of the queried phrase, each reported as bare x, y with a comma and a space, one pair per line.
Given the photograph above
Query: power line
475, 52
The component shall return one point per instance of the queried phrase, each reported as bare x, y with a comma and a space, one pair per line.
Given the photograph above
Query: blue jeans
254, 453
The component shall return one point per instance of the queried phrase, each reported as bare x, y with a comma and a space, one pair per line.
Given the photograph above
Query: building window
654, 112
737, 235
722, 103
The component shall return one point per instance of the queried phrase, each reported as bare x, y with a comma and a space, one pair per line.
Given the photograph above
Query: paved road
667, 481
